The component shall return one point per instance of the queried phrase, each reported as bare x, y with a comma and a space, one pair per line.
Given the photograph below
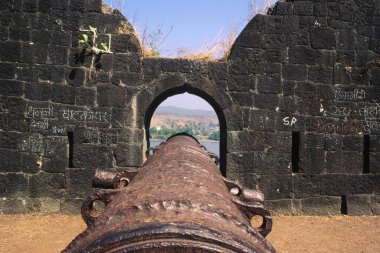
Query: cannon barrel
176, 202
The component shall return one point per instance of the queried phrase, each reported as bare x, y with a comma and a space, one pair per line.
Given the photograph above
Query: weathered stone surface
78, 182
301, 85
359, 204
92, 156
321, 206
46, 185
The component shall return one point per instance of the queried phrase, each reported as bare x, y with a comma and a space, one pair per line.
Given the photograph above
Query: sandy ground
51, 233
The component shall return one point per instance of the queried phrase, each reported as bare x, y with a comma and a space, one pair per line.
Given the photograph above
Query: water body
212, 146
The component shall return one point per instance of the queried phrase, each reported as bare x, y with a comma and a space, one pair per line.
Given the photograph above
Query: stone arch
200, 93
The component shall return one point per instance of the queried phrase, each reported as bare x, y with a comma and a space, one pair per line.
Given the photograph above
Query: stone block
353, 143
48, 205
19, 205
34, 53
346, 39
10, 160
61, 38
276, 186
249, 39
240, 82
30, 6
26, 72
283, 207
7, 70
111, 96
374, 162
376, 205
284, 8
13, 185
262, 120
30, 162
10, 51
246, 179
151, 66
38, 91
320, 9
312, 140
306, 185
273, 41
343, 184
342, 75
346, 57
302, 55
273, 162
344, 162
266, 101
234, 117
320, 74
359, 204
52, 73
241, 162
41, 36
364, 57
326, 57
321, 206
274, 55
308, 106
294, 72
64, 94
123, 43
376, 76
76, 77
85, 96
128, 155
303, 8
57, 55
312, 160
322, 38
79, 182
46, 185
71, 206
92, 156
333, 142
242, 98
54, 165
269, 84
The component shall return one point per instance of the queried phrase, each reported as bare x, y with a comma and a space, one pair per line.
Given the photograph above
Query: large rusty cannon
176, 202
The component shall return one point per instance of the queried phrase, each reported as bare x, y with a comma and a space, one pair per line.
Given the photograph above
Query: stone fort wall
298, 102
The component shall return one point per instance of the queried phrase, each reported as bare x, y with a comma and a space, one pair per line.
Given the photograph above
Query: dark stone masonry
298, 102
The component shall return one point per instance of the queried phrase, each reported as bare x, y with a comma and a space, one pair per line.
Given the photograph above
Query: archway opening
189, 110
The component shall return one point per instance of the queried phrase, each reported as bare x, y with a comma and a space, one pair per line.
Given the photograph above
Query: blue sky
190, 24
186, 23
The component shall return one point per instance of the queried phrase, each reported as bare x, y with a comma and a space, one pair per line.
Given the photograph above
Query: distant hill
173, 110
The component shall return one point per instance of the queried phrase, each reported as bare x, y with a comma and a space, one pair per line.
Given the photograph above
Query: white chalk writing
289, 121
58, 129
354, 95
84, 115
46, 112
371, 125
34, 143
39, 125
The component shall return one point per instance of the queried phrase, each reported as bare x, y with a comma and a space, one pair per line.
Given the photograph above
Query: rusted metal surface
177, 202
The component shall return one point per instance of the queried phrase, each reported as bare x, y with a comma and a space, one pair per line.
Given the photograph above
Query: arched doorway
219, 112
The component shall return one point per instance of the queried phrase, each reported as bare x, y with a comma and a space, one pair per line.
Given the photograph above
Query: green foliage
215, 136
92, 45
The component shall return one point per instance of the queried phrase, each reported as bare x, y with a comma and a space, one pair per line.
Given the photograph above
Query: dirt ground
51, 233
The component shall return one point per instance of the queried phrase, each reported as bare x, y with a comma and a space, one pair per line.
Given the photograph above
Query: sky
189, 24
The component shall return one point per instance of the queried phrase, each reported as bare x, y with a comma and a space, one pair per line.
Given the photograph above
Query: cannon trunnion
176, 202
